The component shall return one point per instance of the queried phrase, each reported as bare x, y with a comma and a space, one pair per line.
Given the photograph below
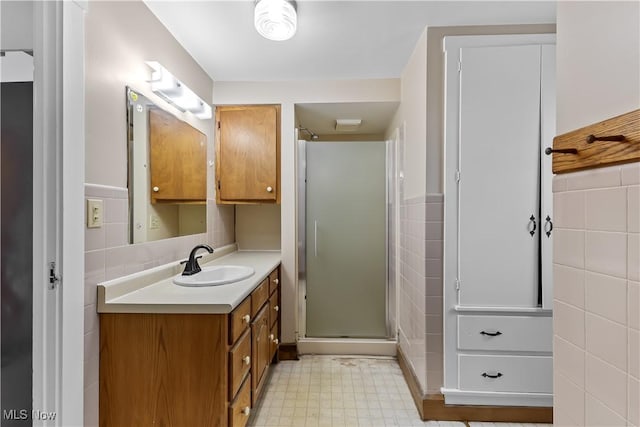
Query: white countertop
153, 291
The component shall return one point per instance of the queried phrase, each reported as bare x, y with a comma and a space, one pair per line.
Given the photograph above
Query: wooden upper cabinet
177, 160
248, 154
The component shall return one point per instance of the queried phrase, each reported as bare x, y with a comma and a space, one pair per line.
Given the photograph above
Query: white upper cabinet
500, 109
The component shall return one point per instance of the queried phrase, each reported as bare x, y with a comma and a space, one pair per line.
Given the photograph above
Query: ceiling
338, 40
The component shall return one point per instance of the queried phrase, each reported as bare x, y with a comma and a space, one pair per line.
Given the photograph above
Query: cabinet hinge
218, 184
457, 176
457, 284
459, 66
218, 125
54, 279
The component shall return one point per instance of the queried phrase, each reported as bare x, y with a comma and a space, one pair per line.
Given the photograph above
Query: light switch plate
94, 213
154, 222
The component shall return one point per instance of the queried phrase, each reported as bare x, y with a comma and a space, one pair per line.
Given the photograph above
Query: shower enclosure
342, 229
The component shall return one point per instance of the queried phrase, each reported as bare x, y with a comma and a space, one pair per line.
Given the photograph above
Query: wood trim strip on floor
432, 407
288, 351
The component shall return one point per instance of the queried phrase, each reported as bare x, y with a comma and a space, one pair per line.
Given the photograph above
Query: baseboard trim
288, 351
432, 407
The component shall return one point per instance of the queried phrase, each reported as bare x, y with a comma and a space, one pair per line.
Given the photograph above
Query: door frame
58, 221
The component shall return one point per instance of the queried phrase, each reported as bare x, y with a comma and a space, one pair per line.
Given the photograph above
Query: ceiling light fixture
172, 90
275, 19
348, 125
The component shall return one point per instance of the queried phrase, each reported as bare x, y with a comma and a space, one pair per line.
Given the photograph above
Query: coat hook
550, 150
592, 138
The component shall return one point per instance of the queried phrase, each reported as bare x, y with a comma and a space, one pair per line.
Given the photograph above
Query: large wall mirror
167, 173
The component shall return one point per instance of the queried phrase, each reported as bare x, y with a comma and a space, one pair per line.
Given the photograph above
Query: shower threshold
347, 346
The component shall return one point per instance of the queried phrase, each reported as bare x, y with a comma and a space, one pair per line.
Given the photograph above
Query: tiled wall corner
420, 288
108, 255
597, 297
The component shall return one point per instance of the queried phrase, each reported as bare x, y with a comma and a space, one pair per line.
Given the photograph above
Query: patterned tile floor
342, 391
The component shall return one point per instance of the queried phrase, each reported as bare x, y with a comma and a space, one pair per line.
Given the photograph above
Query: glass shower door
346, 240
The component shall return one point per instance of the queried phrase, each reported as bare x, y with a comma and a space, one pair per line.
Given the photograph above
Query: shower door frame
371, 346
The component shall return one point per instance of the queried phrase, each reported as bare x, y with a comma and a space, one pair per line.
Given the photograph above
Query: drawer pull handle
246, 318
550, 224
276, 308
246, 411
491, 334
276, 281
532, 220
498, 375
246, 360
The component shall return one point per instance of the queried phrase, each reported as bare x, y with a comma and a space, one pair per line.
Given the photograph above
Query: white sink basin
216, 275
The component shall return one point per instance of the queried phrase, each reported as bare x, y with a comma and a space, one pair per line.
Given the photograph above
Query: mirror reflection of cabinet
248, 154
177, 159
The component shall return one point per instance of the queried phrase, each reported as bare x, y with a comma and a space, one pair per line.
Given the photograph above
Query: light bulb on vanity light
172, 90
275, 19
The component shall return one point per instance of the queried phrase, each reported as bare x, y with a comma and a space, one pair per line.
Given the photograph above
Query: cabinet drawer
532, 374
259, 296
509, 333
240, 408
239, 363
274, 280
274, 308
239, 320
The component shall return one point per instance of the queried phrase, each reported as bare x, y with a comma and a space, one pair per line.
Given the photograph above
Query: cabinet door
260, 348
248, 153
499, 162
177, 159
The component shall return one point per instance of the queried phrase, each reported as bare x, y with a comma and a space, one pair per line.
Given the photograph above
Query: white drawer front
509, 333
525, 374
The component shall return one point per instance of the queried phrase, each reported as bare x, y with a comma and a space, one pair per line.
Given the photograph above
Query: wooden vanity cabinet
248, 154
177, 160
187, 369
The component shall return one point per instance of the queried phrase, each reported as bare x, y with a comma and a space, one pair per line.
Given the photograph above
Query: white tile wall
597, 297
108, 256
420, 301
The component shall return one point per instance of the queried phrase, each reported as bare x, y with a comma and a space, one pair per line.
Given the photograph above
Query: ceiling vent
348, 125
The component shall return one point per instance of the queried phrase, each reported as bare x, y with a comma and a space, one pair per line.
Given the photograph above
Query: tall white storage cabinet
500, 116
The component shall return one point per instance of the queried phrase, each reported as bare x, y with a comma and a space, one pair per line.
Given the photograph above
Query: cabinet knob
276, 308
156, 189
271, 337
276, 281
275, 341
246, 318
269, 189
246, 360
246, 411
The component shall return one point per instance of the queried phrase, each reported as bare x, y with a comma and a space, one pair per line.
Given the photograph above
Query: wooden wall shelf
598, 153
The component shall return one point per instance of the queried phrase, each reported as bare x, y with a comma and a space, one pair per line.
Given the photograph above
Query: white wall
288, 94
120, 37
412, 114
16, 24
598, 61
597, 248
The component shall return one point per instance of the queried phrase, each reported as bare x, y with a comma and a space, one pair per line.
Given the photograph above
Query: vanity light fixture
172, 90
275, 19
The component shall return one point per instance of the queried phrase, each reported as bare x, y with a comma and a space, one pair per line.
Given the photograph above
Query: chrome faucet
192, 266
